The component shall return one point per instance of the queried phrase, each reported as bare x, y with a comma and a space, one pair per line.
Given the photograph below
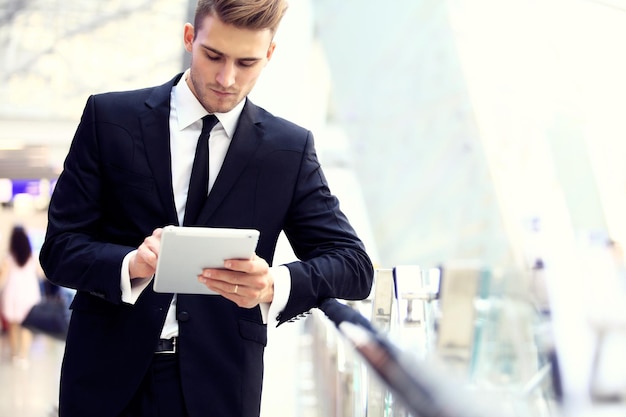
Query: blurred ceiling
53, 55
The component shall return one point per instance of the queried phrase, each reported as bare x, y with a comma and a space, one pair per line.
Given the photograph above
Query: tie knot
208, 122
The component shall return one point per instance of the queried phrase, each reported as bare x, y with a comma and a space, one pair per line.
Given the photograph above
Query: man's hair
19, 245
244, 14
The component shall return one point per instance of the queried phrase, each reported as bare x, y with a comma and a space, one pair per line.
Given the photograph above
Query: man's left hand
247, 283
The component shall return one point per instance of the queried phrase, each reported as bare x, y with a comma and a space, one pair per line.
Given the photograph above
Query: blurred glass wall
478, 124
493, 130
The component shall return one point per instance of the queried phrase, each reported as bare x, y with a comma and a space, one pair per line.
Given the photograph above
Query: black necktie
199, 181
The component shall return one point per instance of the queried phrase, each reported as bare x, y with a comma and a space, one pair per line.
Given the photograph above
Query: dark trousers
160, 393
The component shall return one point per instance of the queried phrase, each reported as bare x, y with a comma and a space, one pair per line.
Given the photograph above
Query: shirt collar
189, 110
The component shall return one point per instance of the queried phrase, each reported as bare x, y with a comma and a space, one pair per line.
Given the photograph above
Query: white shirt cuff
131, 289
282, 288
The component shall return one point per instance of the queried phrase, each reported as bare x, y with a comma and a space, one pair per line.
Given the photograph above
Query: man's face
225, 62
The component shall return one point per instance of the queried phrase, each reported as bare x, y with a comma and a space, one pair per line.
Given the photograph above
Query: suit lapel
156, 136
244, 144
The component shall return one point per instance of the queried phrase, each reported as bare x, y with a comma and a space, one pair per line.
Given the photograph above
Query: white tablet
185, 251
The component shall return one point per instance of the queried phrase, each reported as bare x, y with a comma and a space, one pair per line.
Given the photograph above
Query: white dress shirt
185, 122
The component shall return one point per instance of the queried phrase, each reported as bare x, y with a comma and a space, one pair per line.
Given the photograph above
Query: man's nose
226, 75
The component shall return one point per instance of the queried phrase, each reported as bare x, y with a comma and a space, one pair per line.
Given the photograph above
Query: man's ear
188, 35
270, 50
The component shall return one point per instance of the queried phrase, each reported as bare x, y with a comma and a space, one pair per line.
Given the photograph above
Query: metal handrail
421, 389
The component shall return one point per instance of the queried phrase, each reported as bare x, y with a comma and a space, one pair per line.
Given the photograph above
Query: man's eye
213, 57
246, 64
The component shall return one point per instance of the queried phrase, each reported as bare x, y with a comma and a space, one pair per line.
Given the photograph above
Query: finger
255, 265
224, 288
152, 243
238, 265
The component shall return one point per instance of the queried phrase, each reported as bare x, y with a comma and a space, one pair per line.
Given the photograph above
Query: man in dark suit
132, 351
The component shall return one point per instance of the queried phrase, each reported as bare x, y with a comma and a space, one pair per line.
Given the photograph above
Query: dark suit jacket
116, 188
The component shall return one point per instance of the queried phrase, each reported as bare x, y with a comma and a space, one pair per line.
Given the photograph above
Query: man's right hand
143, 263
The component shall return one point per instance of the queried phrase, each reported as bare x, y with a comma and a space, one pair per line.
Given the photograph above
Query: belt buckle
173, 350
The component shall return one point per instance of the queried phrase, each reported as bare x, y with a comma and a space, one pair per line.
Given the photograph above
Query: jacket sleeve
74, 254
333, 260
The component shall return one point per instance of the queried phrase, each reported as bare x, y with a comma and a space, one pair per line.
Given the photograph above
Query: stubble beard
213, 104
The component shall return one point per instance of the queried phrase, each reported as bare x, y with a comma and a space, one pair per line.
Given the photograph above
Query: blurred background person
20, 292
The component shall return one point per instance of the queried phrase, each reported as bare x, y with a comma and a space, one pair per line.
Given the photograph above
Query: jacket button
182, 316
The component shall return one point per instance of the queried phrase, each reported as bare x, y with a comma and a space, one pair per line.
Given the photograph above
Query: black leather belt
166, 346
